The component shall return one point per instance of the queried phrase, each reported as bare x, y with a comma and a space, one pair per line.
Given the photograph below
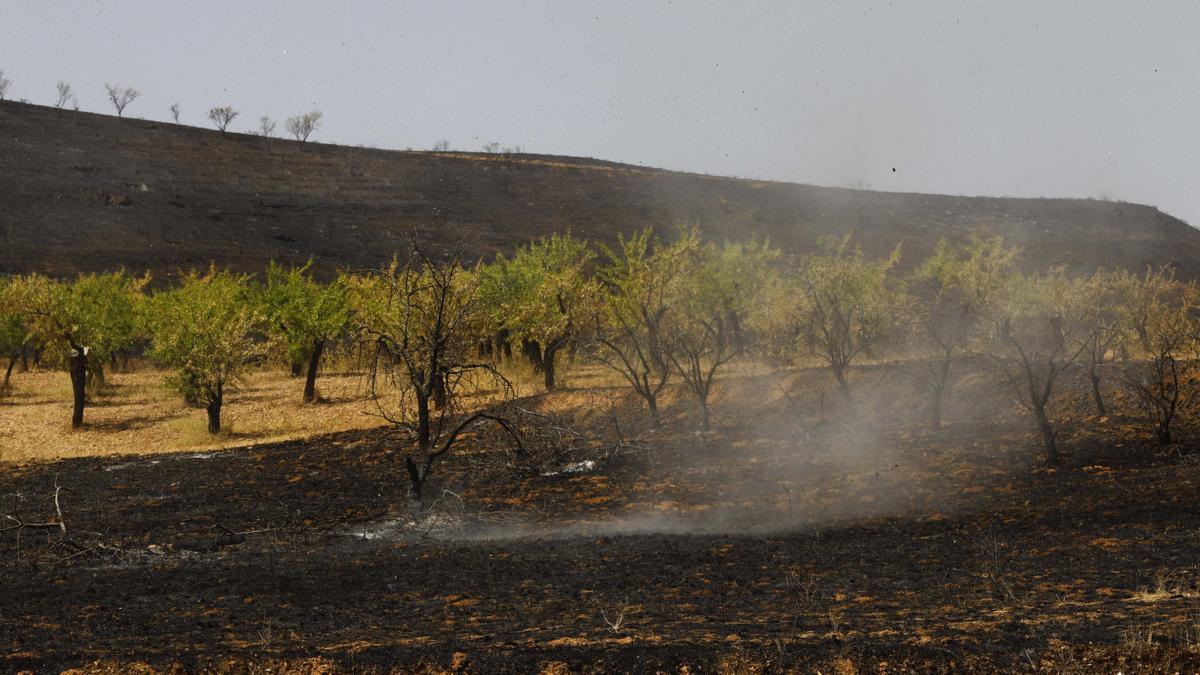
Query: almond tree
5, 83
420, 317
82, 322
305, 316
1162, 317
222, 116
120, 98
65, 95
1105, 325
302, 126
952, 291
266, 127
12, 330
843, 307
711, 298
628, 330
206, 330
1039, 333
543, 296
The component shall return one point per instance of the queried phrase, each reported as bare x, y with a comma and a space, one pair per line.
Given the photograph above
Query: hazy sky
999, 98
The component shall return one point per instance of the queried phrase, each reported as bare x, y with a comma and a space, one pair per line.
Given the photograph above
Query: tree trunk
548, 367
704, 422
78, 369
314, 362
1096, 397
416, 484
214, 410
297, 369
439, 391
1049, 447
533, 352
12, 361
935, 420
839, 374
24, 358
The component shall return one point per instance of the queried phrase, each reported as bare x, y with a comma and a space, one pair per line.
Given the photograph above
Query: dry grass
136, 413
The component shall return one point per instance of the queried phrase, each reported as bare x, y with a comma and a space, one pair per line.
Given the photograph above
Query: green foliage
640, 284
543, 293
12, 328
712, 295
96, 312
300, 311
838, 306
205, 330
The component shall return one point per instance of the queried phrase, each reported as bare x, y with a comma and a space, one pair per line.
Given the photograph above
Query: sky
1051, 98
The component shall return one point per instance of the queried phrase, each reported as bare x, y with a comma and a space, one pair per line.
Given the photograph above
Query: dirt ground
772, 543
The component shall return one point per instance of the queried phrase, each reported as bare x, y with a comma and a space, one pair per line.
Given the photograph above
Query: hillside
80, 191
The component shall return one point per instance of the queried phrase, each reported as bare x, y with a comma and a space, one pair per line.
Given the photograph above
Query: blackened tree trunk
533, 352
214, 409
548, 366
1094, 376
1049, 446
297, 369
416, 484
439, 391
314, 363
839, 374
24, 358
79, 372
12, 362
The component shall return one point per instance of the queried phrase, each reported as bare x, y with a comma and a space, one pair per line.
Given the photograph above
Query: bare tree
302, 126
64, 95
121, 97
222, 117
266, 127
5, 83
419, 316
175, 112
441, 146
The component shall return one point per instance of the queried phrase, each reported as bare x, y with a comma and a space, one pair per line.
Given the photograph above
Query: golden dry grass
136, 413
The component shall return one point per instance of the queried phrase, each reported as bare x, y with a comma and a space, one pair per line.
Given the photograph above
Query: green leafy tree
305, 316
711, 298
420, 316
1104, 320
543, 295
637, 295
952, 290
1162, 318
1039, 334
207, 331
838, 306
12, 330
83, 323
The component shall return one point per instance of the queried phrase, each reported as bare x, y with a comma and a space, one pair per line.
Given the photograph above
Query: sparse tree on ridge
175, 112
302, 126
5, 83
441, 146
205, 330
266, 127
65, 95
222, 116
121, 98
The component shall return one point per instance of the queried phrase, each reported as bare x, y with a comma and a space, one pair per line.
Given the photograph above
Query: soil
753, 547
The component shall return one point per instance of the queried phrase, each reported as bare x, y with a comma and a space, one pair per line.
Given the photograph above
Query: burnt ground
734, 551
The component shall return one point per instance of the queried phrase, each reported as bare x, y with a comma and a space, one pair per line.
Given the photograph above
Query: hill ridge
82, 191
